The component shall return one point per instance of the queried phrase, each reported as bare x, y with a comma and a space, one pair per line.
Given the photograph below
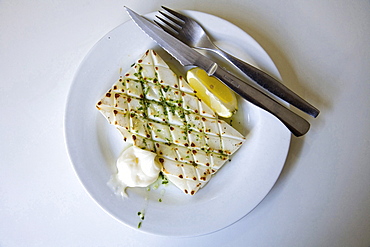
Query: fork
191, 33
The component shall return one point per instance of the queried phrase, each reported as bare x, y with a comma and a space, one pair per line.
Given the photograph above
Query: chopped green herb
165, 89
141, 215
164, 180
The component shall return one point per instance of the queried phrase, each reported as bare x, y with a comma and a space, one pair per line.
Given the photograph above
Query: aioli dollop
137, 167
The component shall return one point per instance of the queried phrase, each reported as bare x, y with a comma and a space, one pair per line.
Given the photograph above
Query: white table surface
322, 50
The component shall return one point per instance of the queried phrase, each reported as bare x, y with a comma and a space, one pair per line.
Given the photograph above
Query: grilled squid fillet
156, 110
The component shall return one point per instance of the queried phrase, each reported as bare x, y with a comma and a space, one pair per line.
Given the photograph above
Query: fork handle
296, 124
269, 83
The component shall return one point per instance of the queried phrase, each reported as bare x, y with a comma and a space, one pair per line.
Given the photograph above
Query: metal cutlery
190, 57
191, 33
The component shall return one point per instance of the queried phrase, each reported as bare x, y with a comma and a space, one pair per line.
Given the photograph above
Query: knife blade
189, 57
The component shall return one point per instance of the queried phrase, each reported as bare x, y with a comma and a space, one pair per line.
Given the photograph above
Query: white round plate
94, 145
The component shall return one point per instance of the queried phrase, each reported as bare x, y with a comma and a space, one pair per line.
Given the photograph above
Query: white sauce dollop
137, 167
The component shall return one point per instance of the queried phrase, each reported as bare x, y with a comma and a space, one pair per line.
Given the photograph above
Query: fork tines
174, 20
174, 13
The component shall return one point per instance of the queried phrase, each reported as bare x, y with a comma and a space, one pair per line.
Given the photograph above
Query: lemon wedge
213, 92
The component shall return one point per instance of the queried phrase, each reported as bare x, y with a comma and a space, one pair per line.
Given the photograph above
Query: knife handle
296, 124
269, 83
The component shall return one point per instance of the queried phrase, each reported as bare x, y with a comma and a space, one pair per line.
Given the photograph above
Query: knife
189, 57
